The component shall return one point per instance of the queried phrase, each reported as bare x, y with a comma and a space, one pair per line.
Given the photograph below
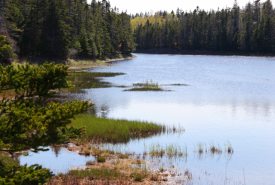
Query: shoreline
82, 64
133, 169
198, 52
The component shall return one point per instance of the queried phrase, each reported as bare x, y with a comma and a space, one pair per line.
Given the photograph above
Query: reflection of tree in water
56, 150
104, 110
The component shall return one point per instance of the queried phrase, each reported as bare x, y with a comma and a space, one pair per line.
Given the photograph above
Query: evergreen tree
251, 29
68, 28
55, 41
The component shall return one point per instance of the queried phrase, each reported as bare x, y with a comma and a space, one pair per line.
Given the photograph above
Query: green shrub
13, 174
6, 51
33, 80
6, 165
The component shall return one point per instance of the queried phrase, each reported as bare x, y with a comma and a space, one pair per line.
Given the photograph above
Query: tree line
251, 29
67, 28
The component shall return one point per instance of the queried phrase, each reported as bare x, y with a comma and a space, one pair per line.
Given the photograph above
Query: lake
227, 101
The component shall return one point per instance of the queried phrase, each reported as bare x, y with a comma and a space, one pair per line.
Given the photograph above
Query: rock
90, 163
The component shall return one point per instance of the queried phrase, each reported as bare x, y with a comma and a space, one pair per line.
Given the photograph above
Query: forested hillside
75, 29
67, 28
251, 29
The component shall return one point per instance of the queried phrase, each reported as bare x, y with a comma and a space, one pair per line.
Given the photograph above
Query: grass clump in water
147, 86
169, 151
114, 131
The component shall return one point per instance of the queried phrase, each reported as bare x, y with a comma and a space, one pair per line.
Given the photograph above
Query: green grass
147, 86
114, 131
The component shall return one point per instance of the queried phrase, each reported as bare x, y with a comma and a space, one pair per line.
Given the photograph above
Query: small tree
31, 119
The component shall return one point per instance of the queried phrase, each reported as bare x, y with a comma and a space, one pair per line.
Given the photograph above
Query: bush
13, 174
28, 124
6, 52
6, 165
33, 80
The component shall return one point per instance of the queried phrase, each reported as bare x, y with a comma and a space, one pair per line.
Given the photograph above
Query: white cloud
136, 6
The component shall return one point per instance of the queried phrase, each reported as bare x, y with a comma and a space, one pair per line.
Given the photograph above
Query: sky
137, 6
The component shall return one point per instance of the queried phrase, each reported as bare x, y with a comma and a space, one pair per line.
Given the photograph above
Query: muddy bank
116, 168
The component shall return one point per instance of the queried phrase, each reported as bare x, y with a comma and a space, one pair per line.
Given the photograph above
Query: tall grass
169, 151
147, 86
114, 131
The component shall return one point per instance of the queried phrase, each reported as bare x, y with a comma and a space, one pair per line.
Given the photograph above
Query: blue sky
134, 6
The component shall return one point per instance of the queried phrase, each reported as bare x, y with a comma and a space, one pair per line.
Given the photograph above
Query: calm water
58, 160
229, 100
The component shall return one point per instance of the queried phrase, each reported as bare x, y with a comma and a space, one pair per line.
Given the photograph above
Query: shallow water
58, 160
229, 100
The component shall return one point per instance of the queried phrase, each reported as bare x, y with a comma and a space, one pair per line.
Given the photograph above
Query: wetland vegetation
114, 131
147, 86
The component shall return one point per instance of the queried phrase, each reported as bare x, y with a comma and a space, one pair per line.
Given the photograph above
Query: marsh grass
100, 153
80, 80
169, 151
97, 173
214, 150
102, 175
147, 86
172, 151
114, 131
